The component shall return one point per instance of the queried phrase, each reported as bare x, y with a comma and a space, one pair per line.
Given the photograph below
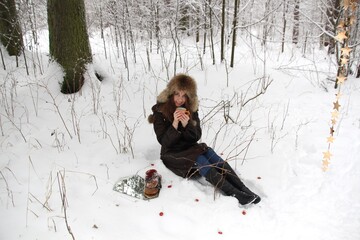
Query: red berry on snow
243, 212
170, 186
161, 214
258, 177
220, 232
196, 199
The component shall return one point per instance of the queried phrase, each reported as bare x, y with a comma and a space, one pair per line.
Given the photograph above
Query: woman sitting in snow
177, 127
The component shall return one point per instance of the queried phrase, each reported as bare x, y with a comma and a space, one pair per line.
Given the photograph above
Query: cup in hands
183, 109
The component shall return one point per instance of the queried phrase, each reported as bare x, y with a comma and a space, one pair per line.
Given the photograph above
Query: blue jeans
208, 160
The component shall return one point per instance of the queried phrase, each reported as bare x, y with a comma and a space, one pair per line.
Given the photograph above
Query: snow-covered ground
75, 147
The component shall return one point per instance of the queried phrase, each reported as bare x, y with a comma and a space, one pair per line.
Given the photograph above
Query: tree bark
69, 41
211, 33
295, 38
284, 26
197, 21
205, 28
10, 31
222, 56
333, 15
234, 33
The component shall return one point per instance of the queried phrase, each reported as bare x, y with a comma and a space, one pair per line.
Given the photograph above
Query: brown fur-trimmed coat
179, 147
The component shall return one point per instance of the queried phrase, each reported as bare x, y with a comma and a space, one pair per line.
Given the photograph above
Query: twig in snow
62, 190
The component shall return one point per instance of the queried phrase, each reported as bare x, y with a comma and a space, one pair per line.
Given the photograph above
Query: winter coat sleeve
166, 134
192, 132
170, 137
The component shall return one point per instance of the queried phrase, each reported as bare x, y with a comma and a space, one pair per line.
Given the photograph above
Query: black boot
218, 180
233, 178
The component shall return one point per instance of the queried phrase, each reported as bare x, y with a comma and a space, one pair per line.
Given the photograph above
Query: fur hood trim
181, 82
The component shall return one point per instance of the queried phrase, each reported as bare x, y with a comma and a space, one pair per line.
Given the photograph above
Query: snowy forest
278, 84
213, 26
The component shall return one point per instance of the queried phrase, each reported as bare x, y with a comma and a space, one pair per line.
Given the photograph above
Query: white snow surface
275, 142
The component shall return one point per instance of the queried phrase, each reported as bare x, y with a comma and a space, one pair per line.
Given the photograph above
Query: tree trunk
69, 41
205, 28
333, 15
132, 41
211, 34
157, 26
10, 30
295, 38
234, 33
222, 57
102, 29
184, 19
284, 27
267, 25
197, 22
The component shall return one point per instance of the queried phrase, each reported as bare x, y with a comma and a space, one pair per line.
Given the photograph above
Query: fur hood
181, 82
178, 82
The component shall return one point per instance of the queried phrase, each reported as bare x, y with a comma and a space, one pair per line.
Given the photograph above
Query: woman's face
179, 98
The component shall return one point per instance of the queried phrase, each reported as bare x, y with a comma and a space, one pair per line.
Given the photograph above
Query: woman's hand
184, 118
180, 116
